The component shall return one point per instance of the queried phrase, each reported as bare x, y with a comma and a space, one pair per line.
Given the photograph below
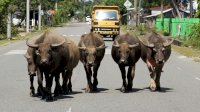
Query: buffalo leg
130, 76
40, 84
65, 79
88, 75
49, 81
152, 78
69, 85
123, 73
95, 82
58, 89
32, 92
158, 71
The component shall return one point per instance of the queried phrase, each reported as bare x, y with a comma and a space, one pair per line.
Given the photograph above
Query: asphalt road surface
180, 84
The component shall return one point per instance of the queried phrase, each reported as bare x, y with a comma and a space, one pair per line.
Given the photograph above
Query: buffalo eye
37, 52
119, 51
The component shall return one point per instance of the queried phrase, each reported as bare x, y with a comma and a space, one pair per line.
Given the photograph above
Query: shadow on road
100, 90
62, 97
131, 91
162, 89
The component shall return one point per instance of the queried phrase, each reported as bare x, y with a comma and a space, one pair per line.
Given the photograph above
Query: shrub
194, 36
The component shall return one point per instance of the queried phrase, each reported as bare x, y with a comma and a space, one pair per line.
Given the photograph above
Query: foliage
198, 9
194, 36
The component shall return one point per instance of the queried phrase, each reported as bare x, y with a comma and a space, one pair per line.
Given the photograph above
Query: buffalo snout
44, 61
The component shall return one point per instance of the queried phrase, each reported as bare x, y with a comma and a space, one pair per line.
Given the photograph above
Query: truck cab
105, 20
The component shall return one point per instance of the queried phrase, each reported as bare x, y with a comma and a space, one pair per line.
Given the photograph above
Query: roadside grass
22, 36
189, 52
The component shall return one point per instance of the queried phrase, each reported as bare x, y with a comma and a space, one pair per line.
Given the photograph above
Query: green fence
176, 26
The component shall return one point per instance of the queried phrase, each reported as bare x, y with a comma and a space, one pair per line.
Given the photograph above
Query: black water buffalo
126, 52
92, 50
156, 50
54, 54
30, 57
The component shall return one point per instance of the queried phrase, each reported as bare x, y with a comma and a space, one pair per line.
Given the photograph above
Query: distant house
156, 12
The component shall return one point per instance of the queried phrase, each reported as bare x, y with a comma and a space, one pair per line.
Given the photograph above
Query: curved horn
83, 46
168, 42
146, 43
116, 44
31, 45
101, 47
133, 45
59, 44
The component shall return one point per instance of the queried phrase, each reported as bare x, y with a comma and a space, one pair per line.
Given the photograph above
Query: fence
176, 26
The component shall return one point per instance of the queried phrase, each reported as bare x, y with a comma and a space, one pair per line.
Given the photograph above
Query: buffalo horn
168, 42
146, 43
101, 47
83, 46
116, 44
133, 45
31, 45
59, 44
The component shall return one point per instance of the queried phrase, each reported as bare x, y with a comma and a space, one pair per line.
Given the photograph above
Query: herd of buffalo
52, 54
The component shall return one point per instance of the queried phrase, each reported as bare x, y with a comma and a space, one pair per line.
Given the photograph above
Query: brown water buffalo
156, 50
126, 52
54, 54
31, 68
92, 50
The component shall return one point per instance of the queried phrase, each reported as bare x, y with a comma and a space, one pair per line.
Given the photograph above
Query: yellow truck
105, 20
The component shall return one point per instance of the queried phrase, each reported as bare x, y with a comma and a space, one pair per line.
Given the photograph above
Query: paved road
180, 83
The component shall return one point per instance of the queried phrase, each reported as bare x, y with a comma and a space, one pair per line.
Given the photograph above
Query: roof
153, 15
158, 8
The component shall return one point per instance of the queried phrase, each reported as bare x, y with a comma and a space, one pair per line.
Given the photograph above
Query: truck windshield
106, 15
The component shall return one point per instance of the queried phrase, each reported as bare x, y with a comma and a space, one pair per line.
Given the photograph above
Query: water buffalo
54, 54
92, 50
126, 52
156, 50
31, 68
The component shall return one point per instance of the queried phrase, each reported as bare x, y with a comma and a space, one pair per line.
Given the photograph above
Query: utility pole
56, 5
161, 13
9, 26
191, 9
27, 15
140, 2
136, 12
39, 17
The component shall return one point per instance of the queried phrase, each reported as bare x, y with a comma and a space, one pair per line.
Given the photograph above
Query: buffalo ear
27, 56
168, 41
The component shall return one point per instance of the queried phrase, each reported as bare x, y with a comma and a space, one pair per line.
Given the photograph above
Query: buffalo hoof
49, 99
88, 90
129, 88
152, 85
32, 93
123, 89
94, 88
70, 91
